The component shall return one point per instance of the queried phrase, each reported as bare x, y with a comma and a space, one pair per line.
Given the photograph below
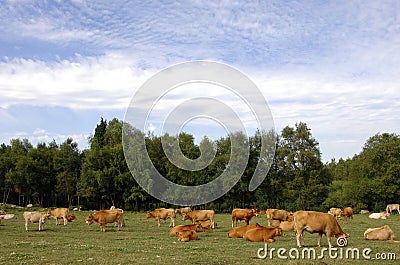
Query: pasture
142, 242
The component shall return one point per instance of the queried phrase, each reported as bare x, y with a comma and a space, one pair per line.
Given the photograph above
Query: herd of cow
279, 221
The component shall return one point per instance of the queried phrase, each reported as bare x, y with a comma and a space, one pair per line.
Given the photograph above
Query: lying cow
238, 232
196, 227
183, 210
316, 222
262, 234
36, 217
59, 213
163, 214
200, 215
380, 233
187, 235
70, 218
335, 211
103, 217
381, 215
243, 214
206, 224
276, 214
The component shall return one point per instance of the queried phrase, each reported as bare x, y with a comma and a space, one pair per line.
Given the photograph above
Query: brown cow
162, 213
103, 217
347, 214
262, 234
380, 233
70, 218
238, 232
276, 214
316, 222
196, 227
59, 213
200, 215
206, 224
36, 217
243, 214
183, 210
187, 235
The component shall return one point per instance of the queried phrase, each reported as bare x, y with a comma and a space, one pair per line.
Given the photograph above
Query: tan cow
347, 214
104, 217
162, 213
287, 226
276, 214
183, 210
238, 232
200, 215
59, 213
380, 233
243, 214
196, 227
187, 235
316, 222
36, 217
335, 211
392, 207
262, 234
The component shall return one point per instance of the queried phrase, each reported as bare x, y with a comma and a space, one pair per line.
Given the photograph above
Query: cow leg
158, 222
233, 222
247, 221
299, 237
65, 220
319, 239
26, 225
329, 241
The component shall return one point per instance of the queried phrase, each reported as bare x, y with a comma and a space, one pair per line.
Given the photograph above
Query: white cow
381, 215
36, 217
392, 207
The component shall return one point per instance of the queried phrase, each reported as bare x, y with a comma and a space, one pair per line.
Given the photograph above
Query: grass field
142, 242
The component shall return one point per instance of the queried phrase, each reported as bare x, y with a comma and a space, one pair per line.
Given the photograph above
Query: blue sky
334, 65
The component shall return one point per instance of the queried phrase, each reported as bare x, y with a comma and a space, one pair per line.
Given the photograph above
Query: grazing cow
196, 227
392, 207
36, 217
187, 235
262, 234
238, 232
347, 213
183, 210
103, 217
316, 222
243, 214
200, 215
59, 213
381, 215
276, 214
69, 218
162, 213
364, 211
380, 233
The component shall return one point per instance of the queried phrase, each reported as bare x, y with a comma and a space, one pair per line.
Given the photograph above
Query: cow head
89, 219
185, 217
254, 211
45, 217
278, 231
148, 215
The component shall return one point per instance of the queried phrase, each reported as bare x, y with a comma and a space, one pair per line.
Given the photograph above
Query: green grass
142, 242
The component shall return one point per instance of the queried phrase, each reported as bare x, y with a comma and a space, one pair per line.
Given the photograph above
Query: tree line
52, 174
